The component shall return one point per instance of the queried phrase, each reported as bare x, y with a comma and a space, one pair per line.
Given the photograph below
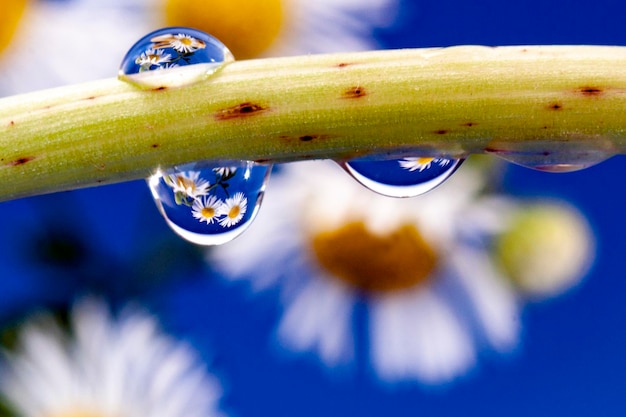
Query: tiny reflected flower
225, 171
180, 42
152, 57
188, 183
233, 210
414, 164
206, 209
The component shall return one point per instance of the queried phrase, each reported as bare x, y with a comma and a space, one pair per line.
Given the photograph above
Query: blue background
571, 361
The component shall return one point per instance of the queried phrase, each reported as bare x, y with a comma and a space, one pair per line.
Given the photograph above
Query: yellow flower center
424, 161
375, 263
208, 212
246, 27
12, 11
234, 212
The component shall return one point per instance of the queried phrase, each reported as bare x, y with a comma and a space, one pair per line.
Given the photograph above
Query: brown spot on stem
304, 138
469, 124
555, 106
354, 92
441, 132
155, 145
21, 161
343, 64
160, 88
591, 91
91, 98
240, 110
11, 123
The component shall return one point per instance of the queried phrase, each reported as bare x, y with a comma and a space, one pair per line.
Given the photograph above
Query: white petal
494, 301
415, 335
319, 319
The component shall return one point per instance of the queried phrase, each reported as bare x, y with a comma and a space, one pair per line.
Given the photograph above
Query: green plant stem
557, 100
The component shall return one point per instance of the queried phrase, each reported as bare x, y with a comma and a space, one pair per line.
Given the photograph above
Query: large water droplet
405, 177
210, 203
173, 57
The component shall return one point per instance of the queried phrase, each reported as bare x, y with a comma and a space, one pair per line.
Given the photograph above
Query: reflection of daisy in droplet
206, 209
109, 367
233, 210
180, 42
225, 171
422, 163
152, 57
188, 183
433, 298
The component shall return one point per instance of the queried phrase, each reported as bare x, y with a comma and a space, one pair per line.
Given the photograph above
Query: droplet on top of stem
173, 57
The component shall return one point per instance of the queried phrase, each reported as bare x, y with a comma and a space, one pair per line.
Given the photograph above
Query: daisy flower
108, 367
433, 297
225, 171
97, 32
152, 57
180, 42
414, 164
206, 209
285, 27
107, 29
233, 210
188, 183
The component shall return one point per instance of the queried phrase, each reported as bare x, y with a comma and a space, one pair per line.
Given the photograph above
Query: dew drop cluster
211, 203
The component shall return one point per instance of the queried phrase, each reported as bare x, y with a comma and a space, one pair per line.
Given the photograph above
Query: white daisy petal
319, 319
416, 336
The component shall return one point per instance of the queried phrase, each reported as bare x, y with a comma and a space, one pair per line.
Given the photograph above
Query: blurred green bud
546, 249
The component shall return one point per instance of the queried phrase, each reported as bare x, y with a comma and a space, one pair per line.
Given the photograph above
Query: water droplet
210, 203
574, 158
173, 57
405, 177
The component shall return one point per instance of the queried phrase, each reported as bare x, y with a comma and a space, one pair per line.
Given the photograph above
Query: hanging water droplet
574, 157
173, 57
210, 204
406, 177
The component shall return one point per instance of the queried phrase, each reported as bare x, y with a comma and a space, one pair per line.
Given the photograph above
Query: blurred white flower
106, 368
434, 296
285, 27
84, 40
